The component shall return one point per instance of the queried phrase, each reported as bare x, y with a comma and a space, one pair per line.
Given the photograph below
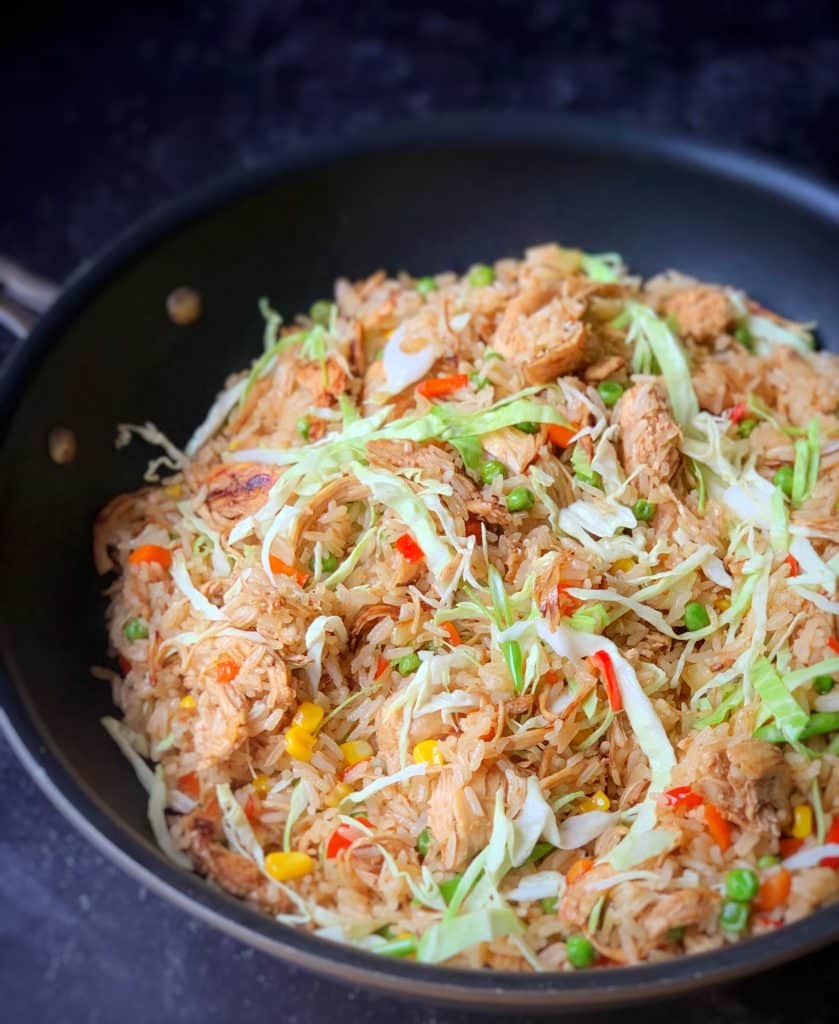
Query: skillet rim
43, 759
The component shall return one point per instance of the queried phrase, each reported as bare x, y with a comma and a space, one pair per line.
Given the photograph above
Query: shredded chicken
237, 489
649, 436
702, 312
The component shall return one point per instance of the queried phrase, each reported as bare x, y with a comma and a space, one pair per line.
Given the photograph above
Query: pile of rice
491, 611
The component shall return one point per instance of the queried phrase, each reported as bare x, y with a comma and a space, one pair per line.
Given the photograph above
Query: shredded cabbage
180, 574
654, 333
216, 417
299, 802
785, 709
316, 641
237, 828
449, 937
359, 796
540, 885
536, 820
157, 820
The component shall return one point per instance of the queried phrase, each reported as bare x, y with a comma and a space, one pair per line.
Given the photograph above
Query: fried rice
490, 620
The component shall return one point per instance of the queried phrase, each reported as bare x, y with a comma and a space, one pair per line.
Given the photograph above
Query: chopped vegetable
261, 784
153, 553
602, 662
320, 312
520, 499
187, 703
831, 837
774, 890
135, 629
356, 751
583, 468
741, 884
643, 510
450, 629
438, 387
344, 835
610, 391
382, 665
481, 275
802, 821
823, 684
794, 567
226, 670
561, 436
578, 869
408, 663
696, 616
190, 784
737, 412
279, 568
734, 916
426, 285
423, 842
491, 470
783, 479
299, 743
718, 827
515, 663
309, 716
428, 752
682, 798
580, 951
743, 335
790, 717
303, 426
528, 427
596, 802
408, 548
652, 333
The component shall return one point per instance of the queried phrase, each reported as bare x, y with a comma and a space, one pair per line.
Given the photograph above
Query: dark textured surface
115, 110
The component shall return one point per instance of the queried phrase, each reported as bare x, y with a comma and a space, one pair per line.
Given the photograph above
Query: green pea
744, 336
321, 311
303, 426
423, 842
823, 684
768, 860
448, 887
745, 427
549, 904
580, 951
481, 275
734, 916
408, 663
741, 884
528, 428
696, 615
643, 510
491, 470
135, 629
783, 479
520, 499
610, 391
329, 562
426, 285
675, 934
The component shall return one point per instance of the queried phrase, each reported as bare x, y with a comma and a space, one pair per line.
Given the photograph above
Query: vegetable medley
491, 619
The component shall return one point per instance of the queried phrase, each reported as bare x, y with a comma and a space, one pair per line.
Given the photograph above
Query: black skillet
423, 198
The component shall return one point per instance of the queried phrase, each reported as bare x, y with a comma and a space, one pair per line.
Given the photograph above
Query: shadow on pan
425, 197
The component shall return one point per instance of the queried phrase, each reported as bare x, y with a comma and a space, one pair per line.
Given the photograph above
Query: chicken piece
238, 489
580, 897
678, 910
395, 455
799, 384
702, 312
749, 780
239, 875
324, 383
341, 491
566, 570
810, 889
491, 510
460, 829
649, 436
389, 732
513, 448
545, 335
715, 389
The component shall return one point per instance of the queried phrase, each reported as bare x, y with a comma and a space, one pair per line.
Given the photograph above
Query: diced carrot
794, 567
774, 890
226, 670
578, 869
681, 798
190, 784
408, 548
279, 568
833, 644
561, 436
437, 387
382, 665
251, 807
146, 553
718, 827
788, 845
451, 630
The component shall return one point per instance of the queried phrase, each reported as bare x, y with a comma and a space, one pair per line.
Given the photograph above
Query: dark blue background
106, 111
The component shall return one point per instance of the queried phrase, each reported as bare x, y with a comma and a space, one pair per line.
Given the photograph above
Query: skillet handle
24, 297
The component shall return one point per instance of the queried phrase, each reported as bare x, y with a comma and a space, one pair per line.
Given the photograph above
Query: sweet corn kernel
722, 604
356, 750
174, 490
285, 867
299, 743
309, 716
261, 784
187, 703
802, 821
597, 802
341, 790
428, 752
624, 564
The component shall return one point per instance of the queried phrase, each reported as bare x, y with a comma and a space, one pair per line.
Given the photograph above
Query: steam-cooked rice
335, 446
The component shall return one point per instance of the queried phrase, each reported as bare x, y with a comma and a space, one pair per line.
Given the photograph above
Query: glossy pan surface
426, 197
